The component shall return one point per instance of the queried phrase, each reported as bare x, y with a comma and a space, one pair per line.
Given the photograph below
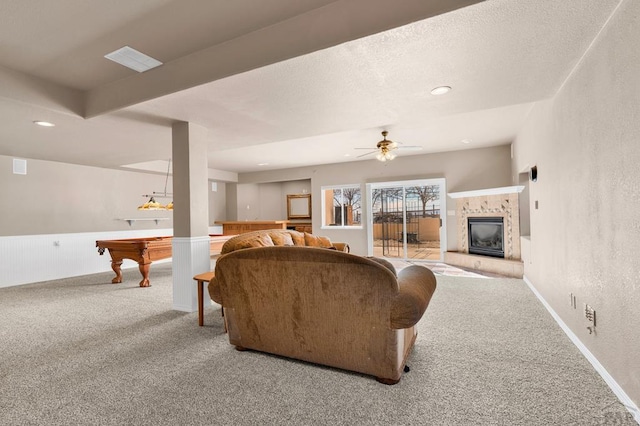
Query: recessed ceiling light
44, 123
263, 164
440, 90
131, 58
466, 141
347, 155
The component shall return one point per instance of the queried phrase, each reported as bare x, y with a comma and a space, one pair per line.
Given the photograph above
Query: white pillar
190, 253
190, 257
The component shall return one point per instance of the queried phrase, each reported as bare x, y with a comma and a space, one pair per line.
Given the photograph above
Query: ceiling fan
385, 148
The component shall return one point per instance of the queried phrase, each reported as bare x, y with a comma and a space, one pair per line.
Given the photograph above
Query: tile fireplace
488, 229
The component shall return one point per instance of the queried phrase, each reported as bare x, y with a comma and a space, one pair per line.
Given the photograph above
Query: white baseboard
610, 381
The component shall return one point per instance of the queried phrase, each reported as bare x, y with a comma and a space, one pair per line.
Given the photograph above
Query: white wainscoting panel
28, 259
191, 256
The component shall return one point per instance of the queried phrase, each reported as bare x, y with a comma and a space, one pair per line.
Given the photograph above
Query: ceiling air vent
131, 58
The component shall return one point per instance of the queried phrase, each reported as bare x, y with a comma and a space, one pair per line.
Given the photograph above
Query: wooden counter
300, 226
240, 227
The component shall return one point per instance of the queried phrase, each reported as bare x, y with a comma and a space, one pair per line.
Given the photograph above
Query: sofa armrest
214, 291
416, 286
341, 247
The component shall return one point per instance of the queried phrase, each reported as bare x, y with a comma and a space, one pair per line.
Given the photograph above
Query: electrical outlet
590, 314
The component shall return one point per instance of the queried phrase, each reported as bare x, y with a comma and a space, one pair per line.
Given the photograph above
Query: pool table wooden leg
115, 265
144, 270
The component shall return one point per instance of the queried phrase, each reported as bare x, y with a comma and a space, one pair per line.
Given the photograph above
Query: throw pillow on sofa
263, 240
281, 238
298, 238
315, 241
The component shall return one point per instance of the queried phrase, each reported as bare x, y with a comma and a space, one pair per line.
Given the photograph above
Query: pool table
145, 251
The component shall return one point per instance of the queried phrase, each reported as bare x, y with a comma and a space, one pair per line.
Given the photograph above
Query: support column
190, 246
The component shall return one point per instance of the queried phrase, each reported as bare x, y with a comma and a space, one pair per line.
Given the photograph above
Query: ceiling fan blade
364, 148
410, 148
368, 153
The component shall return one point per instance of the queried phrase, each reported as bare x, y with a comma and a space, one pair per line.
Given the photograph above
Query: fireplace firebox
486, 236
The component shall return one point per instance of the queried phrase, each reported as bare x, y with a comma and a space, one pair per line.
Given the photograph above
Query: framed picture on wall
299, 206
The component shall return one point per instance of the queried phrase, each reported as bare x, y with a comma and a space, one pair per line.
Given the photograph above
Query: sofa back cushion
311, 304
274, 237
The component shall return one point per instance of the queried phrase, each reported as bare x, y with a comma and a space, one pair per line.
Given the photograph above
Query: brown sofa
322, 306
279, 237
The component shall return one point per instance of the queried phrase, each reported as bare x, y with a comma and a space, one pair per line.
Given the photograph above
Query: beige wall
57, 198
266, 200
463, 170
231, 199
218, 203
270, 202
585, 235
66, 198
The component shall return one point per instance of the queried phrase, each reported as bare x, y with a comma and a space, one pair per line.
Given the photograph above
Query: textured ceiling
293, 83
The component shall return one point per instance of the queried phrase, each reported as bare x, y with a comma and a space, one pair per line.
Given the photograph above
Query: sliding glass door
406, 218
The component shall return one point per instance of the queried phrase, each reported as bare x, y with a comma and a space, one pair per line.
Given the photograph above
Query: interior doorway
406, 219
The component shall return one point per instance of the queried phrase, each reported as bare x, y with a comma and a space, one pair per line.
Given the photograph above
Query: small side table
201, 279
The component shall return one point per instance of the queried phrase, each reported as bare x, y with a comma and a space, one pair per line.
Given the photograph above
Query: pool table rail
145, 251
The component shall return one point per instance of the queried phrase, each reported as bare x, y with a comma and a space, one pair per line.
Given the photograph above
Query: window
342, 206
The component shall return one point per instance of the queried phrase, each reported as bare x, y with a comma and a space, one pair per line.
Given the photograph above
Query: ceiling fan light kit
386, 156
385, 147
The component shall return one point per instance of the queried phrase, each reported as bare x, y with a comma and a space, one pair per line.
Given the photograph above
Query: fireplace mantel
489, 191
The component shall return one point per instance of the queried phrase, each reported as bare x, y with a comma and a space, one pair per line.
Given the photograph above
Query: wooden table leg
144, 271
201, 279
200, 303
115, 265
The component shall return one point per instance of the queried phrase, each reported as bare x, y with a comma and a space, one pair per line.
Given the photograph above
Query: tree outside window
343, 206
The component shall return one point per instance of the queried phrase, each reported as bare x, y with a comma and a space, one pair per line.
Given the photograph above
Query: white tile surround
492, 202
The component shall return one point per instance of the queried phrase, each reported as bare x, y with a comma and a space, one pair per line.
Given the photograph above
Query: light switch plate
19, 166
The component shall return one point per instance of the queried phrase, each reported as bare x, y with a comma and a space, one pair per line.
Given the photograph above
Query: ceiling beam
29, 90
336, 23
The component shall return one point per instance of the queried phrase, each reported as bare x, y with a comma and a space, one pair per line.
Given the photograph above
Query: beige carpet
82, 351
